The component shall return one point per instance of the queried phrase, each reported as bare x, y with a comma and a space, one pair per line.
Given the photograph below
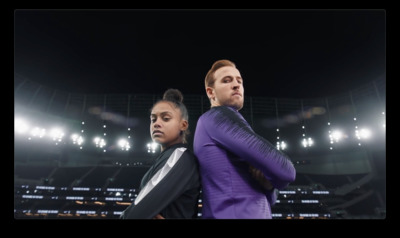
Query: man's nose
235, 84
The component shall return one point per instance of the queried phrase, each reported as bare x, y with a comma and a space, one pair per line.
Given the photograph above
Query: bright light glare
76, 139
100, 142
20, 126
363, 133
336, 136
38, 132
124, 144
281, 145
56, 134
307, 142
151, 147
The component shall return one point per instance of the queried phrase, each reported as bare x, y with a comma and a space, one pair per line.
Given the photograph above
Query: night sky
280, 53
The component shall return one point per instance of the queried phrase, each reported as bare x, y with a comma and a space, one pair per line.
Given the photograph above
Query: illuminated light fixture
280, 145
77, 139
20, 126
363, 133
100, 142
307, 142
56, 134
124, 144
283, 145
335, 136
82, 130
38, 132
152, 147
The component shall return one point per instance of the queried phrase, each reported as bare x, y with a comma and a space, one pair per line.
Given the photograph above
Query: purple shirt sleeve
272, 196
231, 131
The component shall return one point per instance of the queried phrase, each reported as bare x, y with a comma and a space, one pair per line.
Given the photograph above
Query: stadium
80, 154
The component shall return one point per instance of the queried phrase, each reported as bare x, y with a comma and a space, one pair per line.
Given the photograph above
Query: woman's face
166, 124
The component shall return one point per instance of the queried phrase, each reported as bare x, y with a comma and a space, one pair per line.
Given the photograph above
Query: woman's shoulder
189, 154
182, 148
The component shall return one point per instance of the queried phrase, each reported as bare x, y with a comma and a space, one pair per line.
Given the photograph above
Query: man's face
228, 88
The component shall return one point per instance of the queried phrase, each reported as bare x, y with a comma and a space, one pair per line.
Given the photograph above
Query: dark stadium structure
58, 178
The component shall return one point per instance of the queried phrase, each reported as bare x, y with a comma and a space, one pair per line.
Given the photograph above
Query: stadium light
124, 144
99, 142
20, 126
307, 142
152, 147
335, 136
56, 134
363, 133
77, 139
281, 145
38, 132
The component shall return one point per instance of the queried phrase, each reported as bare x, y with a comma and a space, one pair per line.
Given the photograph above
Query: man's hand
259, 176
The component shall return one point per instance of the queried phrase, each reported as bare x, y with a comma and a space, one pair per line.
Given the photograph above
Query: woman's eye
166, 118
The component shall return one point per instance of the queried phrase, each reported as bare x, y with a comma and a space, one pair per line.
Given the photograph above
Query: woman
171, 187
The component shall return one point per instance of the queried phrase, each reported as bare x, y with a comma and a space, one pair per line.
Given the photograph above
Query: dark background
280, 53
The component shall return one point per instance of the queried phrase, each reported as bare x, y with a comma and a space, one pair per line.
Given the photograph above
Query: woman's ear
184, 125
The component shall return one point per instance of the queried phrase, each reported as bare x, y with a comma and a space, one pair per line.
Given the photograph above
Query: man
240, 171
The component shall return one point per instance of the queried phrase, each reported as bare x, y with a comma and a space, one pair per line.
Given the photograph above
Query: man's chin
237, 106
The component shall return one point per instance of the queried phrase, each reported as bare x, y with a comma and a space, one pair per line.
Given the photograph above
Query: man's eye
166, 118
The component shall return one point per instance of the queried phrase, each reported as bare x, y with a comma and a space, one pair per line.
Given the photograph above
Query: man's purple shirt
225, 146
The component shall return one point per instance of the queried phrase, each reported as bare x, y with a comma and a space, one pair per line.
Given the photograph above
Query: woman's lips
157, 133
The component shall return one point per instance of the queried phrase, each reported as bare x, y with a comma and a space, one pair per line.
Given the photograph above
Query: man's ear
210, 92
